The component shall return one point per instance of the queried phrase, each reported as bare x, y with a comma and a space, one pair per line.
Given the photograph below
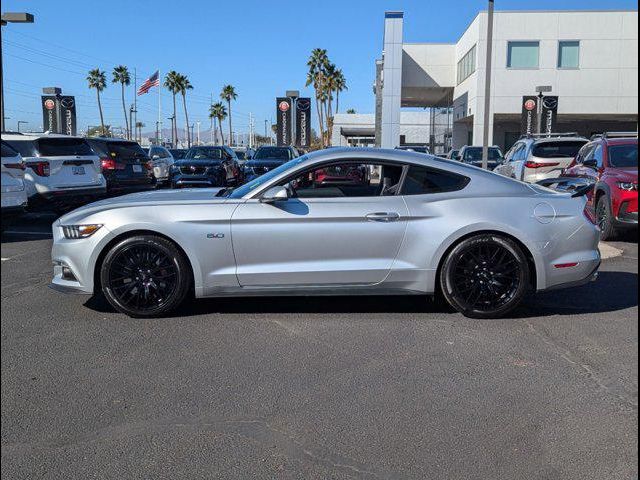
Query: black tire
145, 276
605, 218
485, 276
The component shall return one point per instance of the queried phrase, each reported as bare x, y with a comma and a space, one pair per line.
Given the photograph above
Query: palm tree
183, 85
340, 84
121, 76
229, 93
98, 80
172, 83
218, 112
316, 76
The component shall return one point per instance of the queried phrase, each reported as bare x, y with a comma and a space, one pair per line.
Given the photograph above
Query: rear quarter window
26, 148
7, 151
424, 180
63, 147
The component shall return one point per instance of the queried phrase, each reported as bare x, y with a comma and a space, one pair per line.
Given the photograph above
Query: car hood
144, 199
267, 162
205, 162
625, 174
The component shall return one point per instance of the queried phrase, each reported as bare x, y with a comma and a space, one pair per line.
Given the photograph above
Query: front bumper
627, 217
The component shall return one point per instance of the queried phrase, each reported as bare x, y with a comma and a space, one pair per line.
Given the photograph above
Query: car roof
555, 139
35, 136
111, 139
620, 141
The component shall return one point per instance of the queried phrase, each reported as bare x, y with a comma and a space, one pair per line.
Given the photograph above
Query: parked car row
59, 172
607, 164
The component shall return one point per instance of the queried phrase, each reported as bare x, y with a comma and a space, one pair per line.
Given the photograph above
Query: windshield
264, 179
558, 149
204, 153
623, 156
475, 154
240, 155
273, 153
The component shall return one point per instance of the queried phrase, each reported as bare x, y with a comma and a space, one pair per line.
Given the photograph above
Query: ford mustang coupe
418, 225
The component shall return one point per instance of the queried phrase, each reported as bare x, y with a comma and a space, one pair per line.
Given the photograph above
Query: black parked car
125, 165
206, 167
268, 158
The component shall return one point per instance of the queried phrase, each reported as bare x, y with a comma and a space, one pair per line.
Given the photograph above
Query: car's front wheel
485, 276
145, 276
605, 218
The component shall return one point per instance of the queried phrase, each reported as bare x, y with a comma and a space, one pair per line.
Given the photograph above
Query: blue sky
259, 47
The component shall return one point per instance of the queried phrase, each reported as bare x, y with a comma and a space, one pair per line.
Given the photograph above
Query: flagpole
159, 110
135, 106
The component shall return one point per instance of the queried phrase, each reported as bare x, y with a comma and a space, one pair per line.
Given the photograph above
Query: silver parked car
534, 159
161, 159
414, 225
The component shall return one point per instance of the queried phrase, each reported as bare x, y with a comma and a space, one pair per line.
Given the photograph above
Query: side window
423, 180
349, 179
519, 153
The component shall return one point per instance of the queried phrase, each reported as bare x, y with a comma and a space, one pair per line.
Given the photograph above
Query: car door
518, 161
326, 235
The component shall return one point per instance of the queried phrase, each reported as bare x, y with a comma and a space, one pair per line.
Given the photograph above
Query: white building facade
589, 58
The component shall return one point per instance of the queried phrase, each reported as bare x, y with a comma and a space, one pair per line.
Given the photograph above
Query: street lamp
487, 86
9, 18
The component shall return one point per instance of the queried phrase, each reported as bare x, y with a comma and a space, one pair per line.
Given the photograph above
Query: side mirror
591, 163
275, 194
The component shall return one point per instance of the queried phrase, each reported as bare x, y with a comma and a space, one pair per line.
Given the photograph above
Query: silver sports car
341, 221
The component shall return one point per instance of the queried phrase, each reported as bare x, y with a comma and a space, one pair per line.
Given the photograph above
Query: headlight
629, 186
73, 232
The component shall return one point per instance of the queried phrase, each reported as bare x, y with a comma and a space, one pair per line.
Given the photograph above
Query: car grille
193, 170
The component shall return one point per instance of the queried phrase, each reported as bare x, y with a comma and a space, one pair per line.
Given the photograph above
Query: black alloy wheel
486, 276
145, 276
604, 218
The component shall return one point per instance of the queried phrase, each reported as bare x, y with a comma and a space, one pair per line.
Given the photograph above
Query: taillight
15, 166
148, 165
42, 169
530, 164
110, 164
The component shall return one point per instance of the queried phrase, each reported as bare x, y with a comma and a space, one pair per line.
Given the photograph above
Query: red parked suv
612, 162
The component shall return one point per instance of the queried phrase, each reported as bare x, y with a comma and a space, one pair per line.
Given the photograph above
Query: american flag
152, 81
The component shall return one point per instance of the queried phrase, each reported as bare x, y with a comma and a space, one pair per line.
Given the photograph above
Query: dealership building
588, 58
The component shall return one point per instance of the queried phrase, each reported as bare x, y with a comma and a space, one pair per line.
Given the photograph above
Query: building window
523, 55
467, 66
569, 54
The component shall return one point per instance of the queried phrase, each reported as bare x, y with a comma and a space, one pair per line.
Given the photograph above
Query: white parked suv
161, 159
14, 193
536, 158
60, 170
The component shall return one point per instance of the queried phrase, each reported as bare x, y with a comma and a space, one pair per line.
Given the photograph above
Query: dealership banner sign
529, 115
303, 122
549, 114
59, 114
284, 116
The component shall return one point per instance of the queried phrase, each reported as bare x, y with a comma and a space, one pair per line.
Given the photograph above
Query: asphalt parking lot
321, 388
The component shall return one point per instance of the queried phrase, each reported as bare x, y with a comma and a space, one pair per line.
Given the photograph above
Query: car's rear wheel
145, 276
605, 218
485, 276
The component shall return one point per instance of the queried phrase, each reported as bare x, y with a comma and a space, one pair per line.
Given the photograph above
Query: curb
607, 251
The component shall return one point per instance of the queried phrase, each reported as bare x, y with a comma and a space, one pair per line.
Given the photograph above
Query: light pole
487, 87
20, 122
9, 18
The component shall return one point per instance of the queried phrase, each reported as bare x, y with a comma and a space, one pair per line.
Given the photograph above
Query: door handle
383, 217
